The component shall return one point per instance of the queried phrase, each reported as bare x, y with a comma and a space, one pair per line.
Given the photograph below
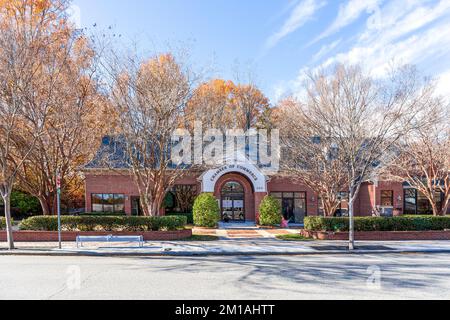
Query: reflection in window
108, 203
293, 205
417, 203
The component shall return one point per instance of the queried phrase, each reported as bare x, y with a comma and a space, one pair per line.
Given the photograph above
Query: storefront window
417, 203
293, 205
112, 203
410, 201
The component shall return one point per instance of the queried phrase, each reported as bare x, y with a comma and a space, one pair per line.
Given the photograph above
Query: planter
70, 236
379, 235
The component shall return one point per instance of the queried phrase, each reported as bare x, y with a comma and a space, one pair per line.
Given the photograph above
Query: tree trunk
351, 228
445, 206
44, 206
9, 231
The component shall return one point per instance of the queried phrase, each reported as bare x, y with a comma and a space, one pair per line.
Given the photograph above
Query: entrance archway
231, 190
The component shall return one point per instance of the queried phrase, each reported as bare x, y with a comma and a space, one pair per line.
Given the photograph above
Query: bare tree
424, 157
362, 118
309, 156
30, 64
150, 98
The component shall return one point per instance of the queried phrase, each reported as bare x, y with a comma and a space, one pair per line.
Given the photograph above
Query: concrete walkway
262, 246
225, 233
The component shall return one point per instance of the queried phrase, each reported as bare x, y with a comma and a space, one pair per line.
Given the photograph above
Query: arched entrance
250, 178
232, 202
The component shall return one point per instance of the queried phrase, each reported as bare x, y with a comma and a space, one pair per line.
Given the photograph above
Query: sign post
58, 204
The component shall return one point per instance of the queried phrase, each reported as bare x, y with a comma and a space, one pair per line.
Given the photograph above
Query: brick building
239, 188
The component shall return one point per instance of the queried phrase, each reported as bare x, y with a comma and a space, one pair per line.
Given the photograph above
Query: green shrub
189, 216
403, 223
2, 223
269, 211
206, 211
25, 203
97, 223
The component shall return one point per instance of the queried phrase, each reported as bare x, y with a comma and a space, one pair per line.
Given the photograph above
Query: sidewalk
261, 246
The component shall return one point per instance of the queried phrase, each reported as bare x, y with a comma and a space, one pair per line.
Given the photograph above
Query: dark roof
110, 155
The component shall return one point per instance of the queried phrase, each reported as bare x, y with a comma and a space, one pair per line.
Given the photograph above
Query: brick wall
51, 236
380, 235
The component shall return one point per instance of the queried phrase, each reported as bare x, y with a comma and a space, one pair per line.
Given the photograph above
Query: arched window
232, 188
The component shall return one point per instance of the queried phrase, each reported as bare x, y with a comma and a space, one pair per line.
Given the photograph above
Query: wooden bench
110, 238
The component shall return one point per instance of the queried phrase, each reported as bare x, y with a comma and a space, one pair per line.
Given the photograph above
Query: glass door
232, 202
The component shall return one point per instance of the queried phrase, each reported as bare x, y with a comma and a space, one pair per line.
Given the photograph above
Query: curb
212, 254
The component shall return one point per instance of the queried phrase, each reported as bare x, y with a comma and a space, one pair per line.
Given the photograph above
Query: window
410, 197
342, 210
417, 203
113, 203
387, 198
293, 205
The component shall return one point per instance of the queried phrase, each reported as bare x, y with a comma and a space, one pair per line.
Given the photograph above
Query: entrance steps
250, 225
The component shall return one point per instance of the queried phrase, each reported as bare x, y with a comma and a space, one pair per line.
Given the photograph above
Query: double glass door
233, 208
232, 203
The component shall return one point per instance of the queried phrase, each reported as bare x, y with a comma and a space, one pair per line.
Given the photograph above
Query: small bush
25, 203
2, 223
403, 223
96, 223
269, 211
206, 211
189, 216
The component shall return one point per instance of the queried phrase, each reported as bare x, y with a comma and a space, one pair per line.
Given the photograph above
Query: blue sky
280, 40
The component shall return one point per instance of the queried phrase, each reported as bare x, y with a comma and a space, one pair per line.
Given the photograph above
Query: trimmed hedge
189, 216
403, 223
93, 223
269, 211
206, 211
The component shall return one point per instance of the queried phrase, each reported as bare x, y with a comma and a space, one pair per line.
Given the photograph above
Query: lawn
292, 237
198, 237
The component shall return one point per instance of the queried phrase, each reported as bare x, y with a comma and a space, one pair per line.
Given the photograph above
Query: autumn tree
362, 119
224, 105
211, 104
150, 97
309, 156
30, 64
74, 125
423, 159
249, 106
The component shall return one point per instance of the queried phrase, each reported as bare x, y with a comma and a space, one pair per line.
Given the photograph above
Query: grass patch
292, 237
198, 237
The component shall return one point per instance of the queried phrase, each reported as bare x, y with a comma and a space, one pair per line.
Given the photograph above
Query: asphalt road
419, 276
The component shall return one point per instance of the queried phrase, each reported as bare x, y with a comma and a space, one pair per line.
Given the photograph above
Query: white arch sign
210, 178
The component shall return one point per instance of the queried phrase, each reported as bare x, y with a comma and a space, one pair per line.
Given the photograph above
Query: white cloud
443, 86
409, 32
300, 15
326, 49
74, 13
349, 13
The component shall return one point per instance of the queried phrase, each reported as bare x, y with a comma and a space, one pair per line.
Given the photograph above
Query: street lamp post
58, 204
